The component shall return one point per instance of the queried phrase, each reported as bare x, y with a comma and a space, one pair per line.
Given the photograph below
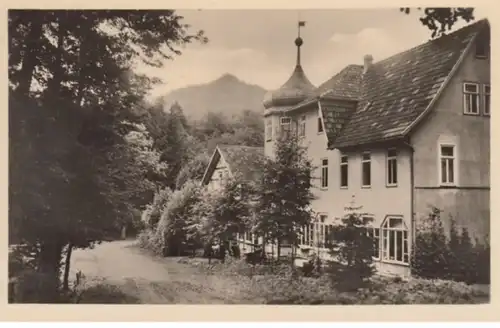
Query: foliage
174, 219
457, 258
260, 284
72, 87
150, 239
153, 211
439, 20
351, 247
285, 193
430, 253
193, 170
222, 213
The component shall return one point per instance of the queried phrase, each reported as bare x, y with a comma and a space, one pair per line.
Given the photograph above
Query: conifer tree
351, 247
285, 193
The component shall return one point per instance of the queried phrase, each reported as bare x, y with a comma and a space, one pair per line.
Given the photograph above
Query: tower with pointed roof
295, 90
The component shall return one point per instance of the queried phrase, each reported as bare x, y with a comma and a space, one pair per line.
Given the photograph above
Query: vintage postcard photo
298, 157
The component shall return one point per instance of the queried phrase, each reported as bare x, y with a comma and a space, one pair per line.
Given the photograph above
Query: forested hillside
185, 145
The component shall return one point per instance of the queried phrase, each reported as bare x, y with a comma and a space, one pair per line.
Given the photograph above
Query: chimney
367, 80
368, 62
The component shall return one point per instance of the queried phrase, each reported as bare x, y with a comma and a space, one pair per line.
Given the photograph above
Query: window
374, 233
366, 170
328, 237
302, 126
395, 240
269, 129
392, 167
447, 159
285, 124
344, 171
285, 121
324, 173
316, 234
255, 239
320, 125
321, 237
471, 98
482, 47
486, 99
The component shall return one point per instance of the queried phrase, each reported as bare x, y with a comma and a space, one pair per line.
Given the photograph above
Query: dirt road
148, 279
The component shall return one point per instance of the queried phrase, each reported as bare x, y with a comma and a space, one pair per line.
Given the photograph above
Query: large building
399, 135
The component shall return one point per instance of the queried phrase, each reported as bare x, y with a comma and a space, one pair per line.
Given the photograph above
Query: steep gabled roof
344, 85
404, 86
244, 162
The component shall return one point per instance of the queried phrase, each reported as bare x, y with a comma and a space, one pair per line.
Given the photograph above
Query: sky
257, 46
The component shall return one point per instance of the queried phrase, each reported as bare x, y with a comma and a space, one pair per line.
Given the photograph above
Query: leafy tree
193, 170
439, 20
152, 213
351, 246
285, 193
173, 222
222, 213
78, 65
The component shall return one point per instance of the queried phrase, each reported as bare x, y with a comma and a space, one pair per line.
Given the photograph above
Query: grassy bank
279, 286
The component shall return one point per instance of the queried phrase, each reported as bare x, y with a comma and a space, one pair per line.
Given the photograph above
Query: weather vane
300, 24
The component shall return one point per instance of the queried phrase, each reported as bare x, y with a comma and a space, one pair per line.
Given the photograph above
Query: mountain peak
227, 77
227, 94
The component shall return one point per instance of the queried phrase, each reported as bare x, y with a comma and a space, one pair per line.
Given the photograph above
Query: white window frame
454, 163
269, 129
324, 169
469, 96
391, 159
386, 232
285, 124
374, 232
346, 164
486, 99
285, 120
302, 126
364, 161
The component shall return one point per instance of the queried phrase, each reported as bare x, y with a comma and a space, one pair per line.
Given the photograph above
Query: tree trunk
49, 263
54, 86
67, 265
278, 243
30, 59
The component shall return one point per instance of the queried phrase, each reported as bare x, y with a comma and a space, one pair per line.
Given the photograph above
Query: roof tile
402, 87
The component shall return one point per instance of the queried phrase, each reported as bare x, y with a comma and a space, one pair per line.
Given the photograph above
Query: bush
430, 255
173, 223
30, 286
153, 211
150, 239
435, 257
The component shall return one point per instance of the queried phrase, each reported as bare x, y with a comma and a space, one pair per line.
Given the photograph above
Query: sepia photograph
280, 157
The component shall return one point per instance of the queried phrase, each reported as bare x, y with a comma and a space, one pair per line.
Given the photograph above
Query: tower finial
298, 40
